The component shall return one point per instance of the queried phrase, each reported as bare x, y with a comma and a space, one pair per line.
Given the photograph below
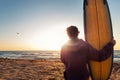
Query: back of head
72, 31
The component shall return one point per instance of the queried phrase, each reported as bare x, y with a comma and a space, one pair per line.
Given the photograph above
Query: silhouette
76, 53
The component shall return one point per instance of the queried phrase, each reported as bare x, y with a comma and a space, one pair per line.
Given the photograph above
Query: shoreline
40, 69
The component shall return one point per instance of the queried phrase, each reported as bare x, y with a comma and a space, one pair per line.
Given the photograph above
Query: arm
63, 55
107, 51
102, 54
93, 54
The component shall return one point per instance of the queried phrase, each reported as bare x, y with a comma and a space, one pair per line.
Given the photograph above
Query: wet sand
19, 69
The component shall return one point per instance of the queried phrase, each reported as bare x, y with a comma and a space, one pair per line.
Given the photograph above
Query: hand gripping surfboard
98, 32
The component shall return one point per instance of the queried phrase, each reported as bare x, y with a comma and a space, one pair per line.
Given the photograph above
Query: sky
41, 24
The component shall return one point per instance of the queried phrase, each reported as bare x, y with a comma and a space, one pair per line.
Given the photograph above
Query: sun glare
49, 39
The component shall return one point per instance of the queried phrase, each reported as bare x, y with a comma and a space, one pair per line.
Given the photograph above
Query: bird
17, 33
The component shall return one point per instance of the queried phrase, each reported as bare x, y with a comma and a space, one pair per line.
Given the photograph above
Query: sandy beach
19, 69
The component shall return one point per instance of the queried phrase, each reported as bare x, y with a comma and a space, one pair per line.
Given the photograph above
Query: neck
74, 38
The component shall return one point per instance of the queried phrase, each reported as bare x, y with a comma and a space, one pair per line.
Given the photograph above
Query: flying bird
17, 33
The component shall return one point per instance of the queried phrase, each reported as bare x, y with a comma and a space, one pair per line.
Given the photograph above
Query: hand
113, 41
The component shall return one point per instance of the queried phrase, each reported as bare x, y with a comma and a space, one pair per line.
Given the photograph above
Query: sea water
48, 55
117, 55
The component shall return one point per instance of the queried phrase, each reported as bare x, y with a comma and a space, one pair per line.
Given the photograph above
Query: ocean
47, 55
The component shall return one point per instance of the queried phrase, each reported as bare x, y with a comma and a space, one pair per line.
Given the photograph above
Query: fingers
113, 42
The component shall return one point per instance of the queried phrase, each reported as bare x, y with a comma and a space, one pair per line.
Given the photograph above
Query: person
76, 53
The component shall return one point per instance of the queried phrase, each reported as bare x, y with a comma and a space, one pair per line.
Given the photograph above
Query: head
72, 32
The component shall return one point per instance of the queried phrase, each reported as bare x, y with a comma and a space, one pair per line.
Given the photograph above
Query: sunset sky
41, 24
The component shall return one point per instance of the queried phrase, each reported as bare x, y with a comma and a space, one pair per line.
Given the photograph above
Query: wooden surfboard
98, 32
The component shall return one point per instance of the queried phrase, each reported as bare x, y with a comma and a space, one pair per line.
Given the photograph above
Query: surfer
76, 53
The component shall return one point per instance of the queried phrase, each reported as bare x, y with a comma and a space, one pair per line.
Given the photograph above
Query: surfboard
98, 32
